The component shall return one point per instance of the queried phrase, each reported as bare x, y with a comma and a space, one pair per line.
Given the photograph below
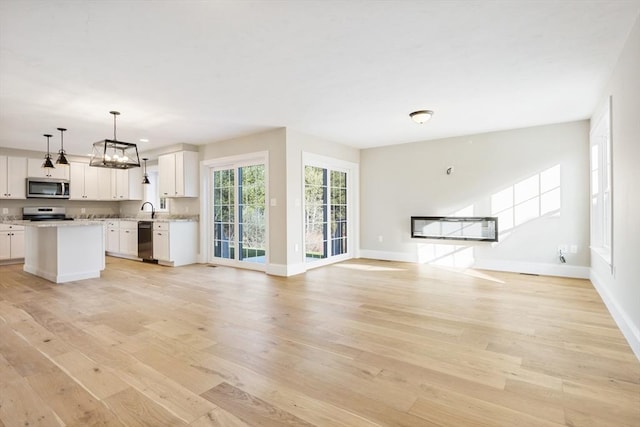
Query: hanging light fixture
114, 154
48, 164
145, 177
421, 116
62, 158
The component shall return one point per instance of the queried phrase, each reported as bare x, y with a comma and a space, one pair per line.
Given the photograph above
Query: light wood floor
362, 343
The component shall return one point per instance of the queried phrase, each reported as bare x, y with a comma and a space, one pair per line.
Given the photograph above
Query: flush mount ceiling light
421, 116
62, 158
145, 177
114, 154
48, 164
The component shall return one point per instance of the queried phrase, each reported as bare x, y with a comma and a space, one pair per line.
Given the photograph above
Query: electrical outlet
563, 248
380, 239
5, 211
573, 249
83, 210
296, 247
274, 202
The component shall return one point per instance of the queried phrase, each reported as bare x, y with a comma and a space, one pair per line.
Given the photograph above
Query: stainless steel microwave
47, 188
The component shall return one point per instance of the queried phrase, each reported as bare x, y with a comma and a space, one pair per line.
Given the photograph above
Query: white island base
64, 251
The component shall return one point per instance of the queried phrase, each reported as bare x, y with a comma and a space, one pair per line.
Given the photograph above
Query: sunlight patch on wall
526, 200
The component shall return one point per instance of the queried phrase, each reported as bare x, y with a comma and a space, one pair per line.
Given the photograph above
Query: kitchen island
64, 251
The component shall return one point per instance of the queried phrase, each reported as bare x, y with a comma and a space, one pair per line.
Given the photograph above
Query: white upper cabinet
178, 174
104, 183
35, 170
83, 182
13, 174
126, 184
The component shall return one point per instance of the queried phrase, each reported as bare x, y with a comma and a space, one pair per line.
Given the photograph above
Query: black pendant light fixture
62, 158
48, 164
114, 154
145, 177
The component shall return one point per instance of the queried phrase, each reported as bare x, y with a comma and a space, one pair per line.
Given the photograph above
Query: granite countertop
43, 224
88, 221
153, 220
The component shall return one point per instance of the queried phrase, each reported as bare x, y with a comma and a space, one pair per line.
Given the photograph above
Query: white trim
61, 278
388, 255
353, 205
622, 319
286, 270
206, 166
544, 269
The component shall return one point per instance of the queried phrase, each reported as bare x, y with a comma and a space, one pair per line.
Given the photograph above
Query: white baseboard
387, 255
622, 319
561, 270
544, 269
61, 278
285, 270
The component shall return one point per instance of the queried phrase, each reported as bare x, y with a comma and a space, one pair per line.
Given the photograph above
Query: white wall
620, 288
404, 180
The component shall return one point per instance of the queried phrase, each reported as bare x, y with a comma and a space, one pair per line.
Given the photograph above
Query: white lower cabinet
175, 243
122, 238
129, 238
112, 237
11, 242
161, 241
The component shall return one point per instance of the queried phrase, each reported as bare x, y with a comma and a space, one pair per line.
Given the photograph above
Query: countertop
89, 221
43, 224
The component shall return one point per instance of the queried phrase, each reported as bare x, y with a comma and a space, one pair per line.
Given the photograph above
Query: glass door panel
315, 190
251, 214
224, 213
338, 212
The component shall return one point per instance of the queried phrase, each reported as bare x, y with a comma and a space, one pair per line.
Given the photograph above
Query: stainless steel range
45, 214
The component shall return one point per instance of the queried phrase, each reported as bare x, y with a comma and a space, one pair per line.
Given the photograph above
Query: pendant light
48, 164
145, 177
114, 154
62, 158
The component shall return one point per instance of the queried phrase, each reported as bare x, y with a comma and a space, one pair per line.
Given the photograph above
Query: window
601, 188
152, 192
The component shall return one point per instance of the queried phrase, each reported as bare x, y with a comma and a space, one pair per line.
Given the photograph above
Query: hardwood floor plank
135, 409
71, 403
249, 408
219, 418
20, 405
97, 379
22, 357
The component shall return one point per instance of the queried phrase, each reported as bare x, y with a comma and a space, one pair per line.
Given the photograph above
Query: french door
239, 213
326, 213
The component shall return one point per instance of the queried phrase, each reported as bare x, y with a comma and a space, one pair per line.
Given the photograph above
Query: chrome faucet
153, 211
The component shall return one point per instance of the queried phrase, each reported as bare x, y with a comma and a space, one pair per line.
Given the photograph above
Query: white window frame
352, 170
152, 191
208, 166
601, 199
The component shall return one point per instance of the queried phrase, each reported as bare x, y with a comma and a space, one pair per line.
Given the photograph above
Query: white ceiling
348, 71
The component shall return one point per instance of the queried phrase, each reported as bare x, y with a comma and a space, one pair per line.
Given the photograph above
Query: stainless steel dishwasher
145, 241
